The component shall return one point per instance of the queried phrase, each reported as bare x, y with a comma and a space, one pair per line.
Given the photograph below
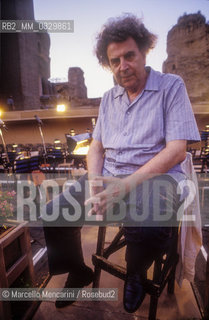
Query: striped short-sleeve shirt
132, 133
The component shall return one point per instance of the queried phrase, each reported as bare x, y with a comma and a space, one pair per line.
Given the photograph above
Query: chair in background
54, 157
21, 165
199, 160
34, 163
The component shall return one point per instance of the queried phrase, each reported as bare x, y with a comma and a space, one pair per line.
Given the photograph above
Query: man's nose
123, 64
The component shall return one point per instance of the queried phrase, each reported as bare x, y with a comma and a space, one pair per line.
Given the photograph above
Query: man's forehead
123, 46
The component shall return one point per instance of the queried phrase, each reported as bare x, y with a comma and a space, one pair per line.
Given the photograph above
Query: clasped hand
103, 199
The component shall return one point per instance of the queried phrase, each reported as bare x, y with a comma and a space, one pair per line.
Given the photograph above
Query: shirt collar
152, 83
118, 91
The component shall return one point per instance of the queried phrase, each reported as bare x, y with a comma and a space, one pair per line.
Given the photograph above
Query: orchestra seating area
59, 157
200, 159
30, 157
200, 155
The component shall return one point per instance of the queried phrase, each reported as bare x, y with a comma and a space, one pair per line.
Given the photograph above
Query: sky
77, 49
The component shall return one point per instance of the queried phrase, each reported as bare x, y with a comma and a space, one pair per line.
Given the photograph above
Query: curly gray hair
120, 29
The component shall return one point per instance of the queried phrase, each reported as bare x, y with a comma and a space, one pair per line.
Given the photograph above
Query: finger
91, 212
97, 198
98, 216
92, 200
95, 190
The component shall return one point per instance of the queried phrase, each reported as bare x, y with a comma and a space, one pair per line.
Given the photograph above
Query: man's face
127, 64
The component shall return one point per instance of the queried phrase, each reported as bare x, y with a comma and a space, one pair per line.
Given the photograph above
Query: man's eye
115, 62
129, 56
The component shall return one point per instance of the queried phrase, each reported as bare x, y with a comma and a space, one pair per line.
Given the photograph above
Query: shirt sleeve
180, 123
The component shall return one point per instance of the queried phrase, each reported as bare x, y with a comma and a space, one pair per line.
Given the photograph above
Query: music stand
72, 140
40, 124
2, 125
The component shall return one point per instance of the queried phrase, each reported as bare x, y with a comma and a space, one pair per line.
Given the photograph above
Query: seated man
141, 133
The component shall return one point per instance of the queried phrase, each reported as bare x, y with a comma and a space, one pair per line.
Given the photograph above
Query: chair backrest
34, 163
21, 166
12, 156
27, 165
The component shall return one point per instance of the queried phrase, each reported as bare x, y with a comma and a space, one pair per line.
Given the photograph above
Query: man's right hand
104, 200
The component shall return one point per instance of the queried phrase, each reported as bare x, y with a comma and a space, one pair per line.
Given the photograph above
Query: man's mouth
126, 77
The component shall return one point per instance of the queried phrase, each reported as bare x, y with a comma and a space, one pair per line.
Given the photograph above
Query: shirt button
128, 113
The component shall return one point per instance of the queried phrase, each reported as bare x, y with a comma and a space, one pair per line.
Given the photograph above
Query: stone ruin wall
77, 88
25, 67
74, 92
25, 62
188, 55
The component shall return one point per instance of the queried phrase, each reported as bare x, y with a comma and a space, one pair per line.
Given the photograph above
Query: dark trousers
144, 241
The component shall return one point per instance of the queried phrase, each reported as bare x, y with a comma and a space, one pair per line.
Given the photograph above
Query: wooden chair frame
164, 266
